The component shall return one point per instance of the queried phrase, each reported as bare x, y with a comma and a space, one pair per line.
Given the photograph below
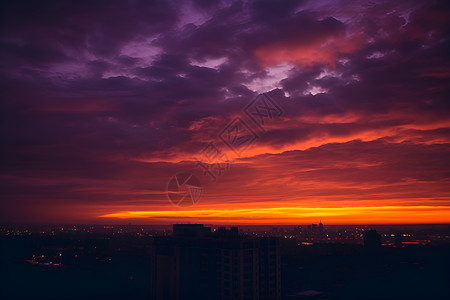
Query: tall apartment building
196, 263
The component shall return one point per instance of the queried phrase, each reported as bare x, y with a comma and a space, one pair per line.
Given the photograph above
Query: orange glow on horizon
295, 215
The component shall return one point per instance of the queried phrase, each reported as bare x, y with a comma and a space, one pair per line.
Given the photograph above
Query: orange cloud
306, 55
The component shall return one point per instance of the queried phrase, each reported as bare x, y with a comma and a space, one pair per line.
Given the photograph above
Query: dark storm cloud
265, 10
100, 26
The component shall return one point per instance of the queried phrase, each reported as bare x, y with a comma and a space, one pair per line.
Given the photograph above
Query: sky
320, 110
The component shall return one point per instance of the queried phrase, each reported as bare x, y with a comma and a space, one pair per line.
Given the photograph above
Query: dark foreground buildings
197, 264
372, 241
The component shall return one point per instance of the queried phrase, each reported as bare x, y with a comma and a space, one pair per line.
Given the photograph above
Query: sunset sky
102, 102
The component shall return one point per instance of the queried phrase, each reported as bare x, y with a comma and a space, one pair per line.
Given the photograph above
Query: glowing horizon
296, 215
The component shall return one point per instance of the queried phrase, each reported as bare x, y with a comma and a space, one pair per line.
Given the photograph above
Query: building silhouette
196, 263
372, 241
